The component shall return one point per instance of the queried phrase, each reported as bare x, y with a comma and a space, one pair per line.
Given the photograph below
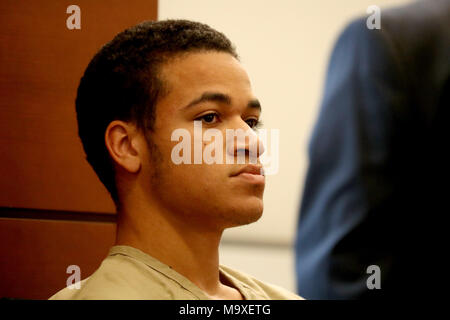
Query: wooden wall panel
41, 61
35, 254
54, 211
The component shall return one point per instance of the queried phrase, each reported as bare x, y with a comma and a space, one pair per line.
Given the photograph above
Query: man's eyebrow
222, 98
210, 96
254, 104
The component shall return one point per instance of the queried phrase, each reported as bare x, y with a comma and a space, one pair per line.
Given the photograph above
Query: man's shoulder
260, 288
106, 283
95, 290
69, 292
118, 278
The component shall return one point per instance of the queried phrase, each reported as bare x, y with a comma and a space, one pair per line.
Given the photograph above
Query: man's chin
246, 214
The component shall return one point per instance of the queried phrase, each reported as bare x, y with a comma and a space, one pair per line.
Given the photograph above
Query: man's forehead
192, 74
203, 66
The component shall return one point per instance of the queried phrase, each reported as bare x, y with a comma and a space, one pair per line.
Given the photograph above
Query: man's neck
187, 247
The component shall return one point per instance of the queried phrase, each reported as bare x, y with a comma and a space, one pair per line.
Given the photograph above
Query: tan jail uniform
128, 273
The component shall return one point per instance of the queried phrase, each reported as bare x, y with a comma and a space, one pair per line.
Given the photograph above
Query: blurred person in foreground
371, 221
153, 85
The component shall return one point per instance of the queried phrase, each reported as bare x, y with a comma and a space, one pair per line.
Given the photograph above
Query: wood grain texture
41, 61
54, 212
35, 254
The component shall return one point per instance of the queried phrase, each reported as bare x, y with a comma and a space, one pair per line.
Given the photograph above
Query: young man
149, 82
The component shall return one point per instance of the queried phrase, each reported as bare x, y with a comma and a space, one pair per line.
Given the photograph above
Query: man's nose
244, 141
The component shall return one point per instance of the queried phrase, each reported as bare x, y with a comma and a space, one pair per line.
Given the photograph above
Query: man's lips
251, 173
251, 169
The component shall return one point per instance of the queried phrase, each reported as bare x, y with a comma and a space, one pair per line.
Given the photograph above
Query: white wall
284, 46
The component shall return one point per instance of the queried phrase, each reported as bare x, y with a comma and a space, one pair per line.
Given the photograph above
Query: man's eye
252, 123
208, 118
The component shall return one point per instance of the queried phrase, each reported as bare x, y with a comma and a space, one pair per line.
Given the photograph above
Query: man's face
213, 88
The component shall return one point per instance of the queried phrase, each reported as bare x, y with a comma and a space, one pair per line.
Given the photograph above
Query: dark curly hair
121, 82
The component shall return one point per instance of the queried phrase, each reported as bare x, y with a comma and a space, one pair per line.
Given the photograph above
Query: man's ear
122, 142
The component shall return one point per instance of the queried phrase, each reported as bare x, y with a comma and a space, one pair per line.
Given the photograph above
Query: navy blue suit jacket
376, 191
